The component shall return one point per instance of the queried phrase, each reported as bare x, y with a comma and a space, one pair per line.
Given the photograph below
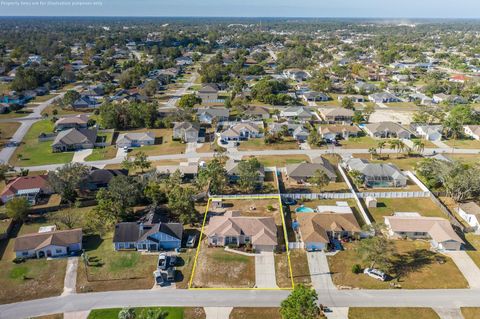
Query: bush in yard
356, 269
270, 208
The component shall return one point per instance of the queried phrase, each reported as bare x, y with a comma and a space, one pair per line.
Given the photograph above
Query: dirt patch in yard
217, 268
250, 313
301, 273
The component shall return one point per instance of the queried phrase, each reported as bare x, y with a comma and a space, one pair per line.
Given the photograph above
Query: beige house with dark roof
415, 226
337, 115
234, 229
48, 244
332, 132
301, 172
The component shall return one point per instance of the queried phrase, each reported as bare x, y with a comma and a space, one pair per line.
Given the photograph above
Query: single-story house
415, 226
74, 139
317, 230
337, 115
387, 130
356, 98
242, 131
301, 172
147, 237
300, 133
209, 115
363, 87
296, 74
54, 243
135, 139
470, 212
100, 178
27, 186
289, 127
188, 170
377, 175
257, 112
296, 112
86, 101
208, 92
383, 97
315, 97
334, 132
233, 229
473, 131
233, 172
79, 121
188, 132
430, 132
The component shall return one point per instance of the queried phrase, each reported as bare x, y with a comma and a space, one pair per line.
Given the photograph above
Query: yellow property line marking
279, 198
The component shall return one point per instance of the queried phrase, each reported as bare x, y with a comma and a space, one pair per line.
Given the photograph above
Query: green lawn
256, 144
422, 268
474, 247
114, 270
282, 160
104, 153
359, 142
34, 152
392, 313
173, 313
387, 206
467, 143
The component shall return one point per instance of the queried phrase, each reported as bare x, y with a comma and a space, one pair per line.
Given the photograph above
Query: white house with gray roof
377, 175
135, 139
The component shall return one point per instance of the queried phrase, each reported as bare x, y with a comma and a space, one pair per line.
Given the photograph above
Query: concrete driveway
265, 270
217, 312
70, 281
79, 156
466, 265
319, 270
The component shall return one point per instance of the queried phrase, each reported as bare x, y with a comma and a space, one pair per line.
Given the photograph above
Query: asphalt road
26, 124
453, 298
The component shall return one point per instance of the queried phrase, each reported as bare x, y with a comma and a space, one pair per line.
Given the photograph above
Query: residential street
444, 298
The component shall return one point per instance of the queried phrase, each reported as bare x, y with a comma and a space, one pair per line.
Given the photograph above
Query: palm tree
381, 146
397, 145
372, 151
419, 146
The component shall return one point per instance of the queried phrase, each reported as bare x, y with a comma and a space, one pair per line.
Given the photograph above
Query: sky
246, 8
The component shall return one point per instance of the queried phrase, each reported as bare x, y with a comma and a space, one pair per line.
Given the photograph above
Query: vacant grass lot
7, 129
258, 144
301, 272
217, 268
34, 153
387, 206
423, 268
280, 161
112, 270
392, 313
250, 313
173, 313
470, 312
359, 142
467, 143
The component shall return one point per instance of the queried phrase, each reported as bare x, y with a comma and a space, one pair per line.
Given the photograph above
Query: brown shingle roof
40, 240
26, 182
314, 226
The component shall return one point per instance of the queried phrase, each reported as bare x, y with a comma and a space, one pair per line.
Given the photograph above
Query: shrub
356, 269
270, 208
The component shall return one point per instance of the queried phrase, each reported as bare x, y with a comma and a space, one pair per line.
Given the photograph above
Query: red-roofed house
458, 78
27, 186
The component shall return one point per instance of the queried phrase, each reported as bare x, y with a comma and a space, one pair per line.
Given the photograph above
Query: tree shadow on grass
413, 261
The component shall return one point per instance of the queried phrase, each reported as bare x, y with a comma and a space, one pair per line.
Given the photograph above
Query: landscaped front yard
35, 153
392, 313
387, 206
422, 268
113, 270
173, 313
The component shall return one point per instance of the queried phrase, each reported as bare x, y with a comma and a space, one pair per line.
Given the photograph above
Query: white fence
318, 196
394, 194
295, 245
244, 196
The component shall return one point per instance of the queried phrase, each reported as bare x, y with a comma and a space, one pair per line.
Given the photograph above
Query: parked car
170, 274
162, 262
375, 273
191, 241
159, 280
172, 261
289, 201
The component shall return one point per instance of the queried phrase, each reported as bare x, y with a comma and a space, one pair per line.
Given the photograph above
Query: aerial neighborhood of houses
252, 156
